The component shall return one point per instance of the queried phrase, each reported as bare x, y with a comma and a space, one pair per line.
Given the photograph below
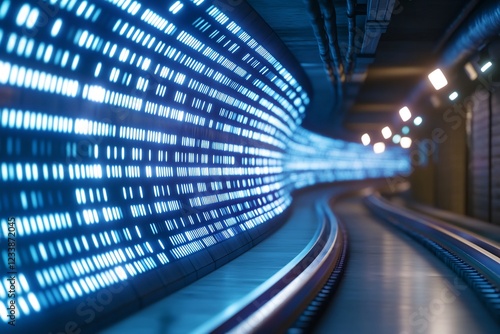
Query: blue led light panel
137, 134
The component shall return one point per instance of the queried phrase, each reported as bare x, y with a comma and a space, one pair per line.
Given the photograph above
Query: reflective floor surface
394, 285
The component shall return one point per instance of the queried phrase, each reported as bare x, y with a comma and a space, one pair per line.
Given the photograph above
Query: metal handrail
475, 258
274, 305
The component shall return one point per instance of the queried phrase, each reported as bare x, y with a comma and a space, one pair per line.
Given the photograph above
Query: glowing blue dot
23, 305
24, 283
29, 48
98, 69
43, 252
65, 58
4, 8
5, 174
74, 65
4, 69
5, 117
27, 170
13, 75
90, 284
40, 279
26, 121
96, 242
26, 226
63, 293
34, 302
48, 53
45, 169
19, 119
84, 285
77, 288
19, 171
61, 171
56, 27
81, 8
22, 15
21, 46
32, 18
34, 169
69, 288
52, 222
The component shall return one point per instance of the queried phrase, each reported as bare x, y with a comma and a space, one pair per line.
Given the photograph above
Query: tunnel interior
145, 144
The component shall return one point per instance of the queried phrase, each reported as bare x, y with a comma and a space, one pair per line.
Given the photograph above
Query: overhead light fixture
486, 66
365, 139
471, 71
438, 79
453, 96
386, 132
405, 113
379, 148
405, 130
405, 142
417, 121
396, 139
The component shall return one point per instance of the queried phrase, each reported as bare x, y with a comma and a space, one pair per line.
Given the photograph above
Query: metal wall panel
495, 158
479, 171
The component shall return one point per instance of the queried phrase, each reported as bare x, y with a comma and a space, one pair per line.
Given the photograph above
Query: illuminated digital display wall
140, 142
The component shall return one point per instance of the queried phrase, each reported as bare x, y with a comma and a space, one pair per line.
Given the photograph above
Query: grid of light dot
133, 134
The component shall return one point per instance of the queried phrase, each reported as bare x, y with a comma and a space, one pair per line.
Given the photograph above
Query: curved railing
475, 258
276, 304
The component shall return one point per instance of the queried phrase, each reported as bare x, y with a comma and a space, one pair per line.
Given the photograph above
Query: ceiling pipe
351, 21
323, 20
457, 22
321, 37
481, 27
330, 22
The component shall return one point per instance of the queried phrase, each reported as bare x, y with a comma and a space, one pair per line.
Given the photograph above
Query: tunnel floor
394, 285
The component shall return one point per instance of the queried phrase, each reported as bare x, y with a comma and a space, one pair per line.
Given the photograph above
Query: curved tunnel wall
142, 144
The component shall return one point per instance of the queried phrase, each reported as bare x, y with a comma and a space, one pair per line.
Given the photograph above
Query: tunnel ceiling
385, 73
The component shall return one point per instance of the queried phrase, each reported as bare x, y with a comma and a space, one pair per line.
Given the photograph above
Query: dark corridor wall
484, 162
439, 159
461, 169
